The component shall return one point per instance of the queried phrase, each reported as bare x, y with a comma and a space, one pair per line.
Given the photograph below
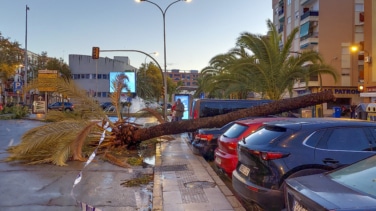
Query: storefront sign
342, 91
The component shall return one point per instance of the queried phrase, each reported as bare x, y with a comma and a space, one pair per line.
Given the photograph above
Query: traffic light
95, 53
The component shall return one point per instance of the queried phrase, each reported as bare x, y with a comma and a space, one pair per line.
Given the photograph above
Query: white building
93, 75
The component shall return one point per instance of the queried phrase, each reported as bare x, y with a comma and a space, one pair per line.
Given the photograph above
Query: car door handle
330, 160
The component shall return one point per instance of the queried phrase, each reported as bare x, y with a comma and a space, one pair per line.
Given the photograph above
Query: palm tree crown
268, 68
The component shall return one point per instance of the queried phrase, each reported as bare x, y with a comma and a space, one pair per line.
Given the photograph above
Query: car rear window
264, 135
235, 130
359, 176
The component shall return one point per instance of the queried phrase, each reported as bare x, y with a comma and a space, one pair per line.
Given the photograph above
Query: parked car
350, 188
225, 155
61, 106
297, 147
205, 141
105, 105
211, 107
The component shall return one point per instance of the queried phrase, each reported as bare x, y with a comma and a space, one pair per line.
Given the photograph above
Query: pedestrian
179, 110
352, 111
173, 112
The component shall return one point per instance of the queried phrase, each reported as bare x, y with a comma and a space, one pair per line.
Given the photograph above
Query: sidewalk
186, 182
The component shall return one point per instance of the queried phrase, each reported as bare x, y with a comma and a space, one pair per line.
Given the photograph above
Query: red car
225, 156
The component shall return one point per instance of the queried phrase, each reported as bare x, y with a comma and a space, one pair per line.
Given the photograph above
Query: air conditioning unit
368, 59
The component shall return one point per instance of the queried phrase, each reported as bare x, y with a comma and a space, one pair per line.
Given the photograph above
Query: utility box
337, 112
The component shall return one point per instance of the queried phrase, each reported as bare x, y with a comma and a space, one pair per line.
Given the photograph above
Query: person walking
173, 112
179, 110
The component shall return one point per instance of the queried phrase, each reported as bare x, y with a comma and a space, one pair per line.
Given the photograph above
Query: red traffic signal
95, 53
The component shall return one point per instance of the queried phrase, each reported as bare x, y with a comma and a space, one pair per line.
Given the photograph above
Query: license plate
298, 207
244, 169
218, 160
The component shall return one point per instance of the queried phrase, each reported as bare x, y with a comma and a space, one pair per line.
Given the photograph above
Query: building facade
93, 75
187, 78
369, 87
329, 27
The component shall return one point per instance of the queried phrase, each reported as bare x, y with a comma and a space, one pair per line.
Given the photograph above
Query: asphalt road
49, 187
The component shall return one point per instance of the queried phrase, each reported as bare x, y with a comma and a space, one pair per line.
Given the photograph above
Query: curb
157, 188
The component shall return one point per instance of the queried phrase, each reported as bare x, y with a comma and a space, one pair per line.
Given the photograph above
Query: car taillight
231, 146
268, 155
195, 114
204, 137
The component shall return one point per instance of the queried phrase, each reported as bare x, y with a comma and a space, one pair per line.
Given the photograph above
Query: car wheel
208, 153
68, 109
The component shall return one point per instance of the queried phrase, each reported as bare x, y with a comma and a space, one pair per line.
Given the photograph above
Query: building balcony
281, 12
310, 16
280, 29
307, 2
309, 41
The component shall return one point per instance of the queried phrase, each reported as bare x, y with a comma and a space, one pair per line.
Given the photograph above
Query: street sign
17, 86
47, 80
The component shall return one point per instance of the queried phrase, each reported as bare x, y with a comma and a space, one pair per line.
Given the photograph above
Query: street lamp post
25, 59
138, 51
155, 53
164, 49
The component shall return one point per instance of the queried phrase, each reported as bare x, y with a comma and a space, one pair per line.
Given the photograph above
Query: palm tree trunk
275, 107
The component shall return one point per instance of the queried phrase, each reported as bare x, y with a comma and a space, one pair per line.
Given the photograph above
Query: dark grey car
297, 147
350, 188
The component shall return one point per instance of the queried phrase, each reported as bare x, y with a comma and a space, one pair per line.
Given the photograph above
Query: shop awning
368, 94
304, 29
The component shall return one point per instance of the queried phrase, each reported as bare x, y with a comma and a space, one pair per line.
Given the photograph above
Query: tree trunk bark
275, 107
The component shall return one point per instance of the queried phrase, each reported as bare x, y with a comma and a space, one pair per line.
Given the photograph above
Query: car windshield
235, 130
360, 176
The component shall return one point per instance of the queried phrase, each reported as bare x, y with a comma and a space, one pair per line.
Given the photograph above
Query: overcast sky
195, 31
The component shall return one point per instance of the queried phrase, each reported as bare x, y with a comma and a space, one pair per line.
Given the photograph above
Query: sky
195, 32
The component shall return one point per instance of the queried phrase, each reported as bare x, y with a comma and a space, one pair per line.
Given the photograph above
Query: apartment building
330, 27
187, 78
368, 93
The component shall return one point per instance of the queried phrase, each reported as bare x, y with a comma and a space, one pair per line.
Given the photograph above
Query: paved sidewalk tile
186, 182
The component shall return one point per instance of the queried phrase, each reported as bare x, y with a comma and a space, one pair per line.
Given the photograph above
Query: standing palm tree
258, 64
272, 68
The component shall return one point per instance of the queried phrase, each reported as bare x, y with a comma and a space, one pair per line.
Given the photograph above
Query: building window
288, 2
94, 76
359, 7
99, 76
289, 19
105, 76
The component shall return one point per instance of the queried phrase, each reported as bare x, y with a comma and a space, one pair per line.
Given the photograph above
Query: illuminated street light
164, 50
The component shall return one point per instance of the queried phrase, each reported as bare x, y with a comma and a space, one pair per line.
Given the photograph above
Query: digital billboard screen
184, 98
131, 82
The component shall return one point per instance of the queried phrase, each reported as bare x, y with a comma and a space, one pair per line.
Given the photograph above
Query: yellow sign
47, 80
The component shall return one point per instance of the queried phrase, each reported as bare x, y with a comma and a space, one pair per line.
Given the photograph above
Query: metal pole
148, 55
164, 52
25, 59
